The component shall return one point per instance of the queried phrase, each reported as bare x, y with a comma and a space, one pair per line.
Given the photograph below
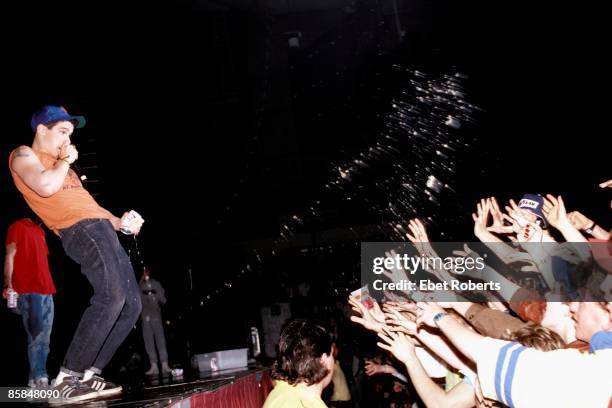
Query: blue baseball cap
534, 203
50, 113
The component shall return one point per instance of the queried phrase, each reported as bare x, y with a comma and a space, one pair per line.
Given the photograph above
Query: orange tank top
71, 204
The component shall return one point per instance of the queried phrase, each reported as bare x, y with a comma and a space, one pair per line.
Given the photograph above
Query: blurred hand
481, 401
579, 221
606, 184
371, 368
5, 292
403, 306
394, 273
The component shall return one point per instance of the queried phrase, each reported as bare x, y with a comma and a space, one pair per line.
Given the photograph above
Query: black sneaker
71, 390
104, 388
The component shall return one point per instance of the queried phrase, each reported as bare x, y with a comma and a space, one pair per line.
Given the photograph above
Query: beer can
11, 301
125, 223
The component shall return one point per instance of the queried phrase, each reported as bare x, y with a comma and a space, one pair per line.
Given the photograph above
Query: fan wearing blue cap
42, 173
534, 204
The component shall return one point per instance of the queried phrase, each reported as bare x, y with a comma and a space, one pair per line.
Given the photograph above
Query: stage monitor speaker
220, 360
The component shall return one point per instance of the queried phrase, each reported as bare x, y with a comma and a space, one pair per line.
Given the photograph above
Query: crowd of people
542, 344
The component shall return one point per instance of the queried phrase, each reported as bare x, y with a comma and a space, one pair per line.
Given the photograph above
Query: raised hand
481, 218
394, 273
554, 211
372, 319
419, 234
531, 232
419, 238
518, 215
498, 226
397, 318
399, 344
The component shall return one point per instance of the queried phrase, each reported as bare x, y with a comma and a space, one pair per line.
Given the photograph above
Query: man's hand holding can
131, 222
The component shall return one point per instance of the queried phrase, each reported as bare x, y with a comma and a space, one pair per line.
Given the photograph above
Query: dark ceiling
202, 117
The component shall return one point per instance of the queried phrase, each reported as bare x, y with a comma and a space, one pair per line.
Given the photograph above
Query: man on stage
54, 192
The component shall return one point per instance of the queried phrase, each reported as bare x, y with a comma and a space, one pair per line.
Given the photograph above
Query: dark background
203, 119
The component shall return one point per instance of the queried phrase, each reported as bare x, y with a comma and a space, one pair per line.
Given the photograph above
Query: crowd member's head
538, 337
304, 354
533, 204
590, 318
555, 316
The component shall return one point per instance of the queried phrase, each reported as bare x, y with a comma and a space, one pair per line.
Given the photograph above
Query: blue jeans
115, 304
37, 314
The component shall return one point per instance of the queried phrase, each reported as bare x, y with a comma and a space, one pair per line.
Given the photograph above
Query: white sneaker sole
112, 391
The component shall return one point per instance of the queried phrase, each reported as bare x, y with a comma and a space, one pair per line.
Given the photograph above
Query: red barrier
246, 392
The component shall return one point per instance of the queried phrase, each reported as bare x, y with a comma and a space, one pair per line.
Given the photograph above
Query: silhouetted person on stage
153, 298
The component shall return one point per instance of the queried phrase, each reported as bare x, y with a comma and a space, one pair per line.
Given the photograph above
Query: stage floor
180, 392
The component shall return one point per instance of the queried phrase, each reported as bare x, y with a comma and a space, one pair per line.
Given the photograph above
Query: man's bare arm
45, 182
9, 258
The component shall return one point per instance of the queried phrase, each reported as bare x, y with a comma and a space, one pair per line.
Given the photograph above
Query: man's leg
149, 341
41, 323
160, 342
95, 246
24, 306
37, 314
129, 314
160, 338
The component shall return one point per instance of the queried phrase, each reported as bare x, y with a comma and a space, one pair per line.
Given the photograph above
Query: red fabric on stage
247, 392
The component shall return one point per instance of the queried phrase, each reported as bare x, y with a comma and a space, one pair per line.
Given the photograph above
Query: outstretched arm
399, 321
462, 396
465, 340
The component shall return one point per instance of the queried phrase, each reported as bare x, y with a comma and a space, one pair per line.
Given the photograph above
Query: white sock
88, 374
60, 377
